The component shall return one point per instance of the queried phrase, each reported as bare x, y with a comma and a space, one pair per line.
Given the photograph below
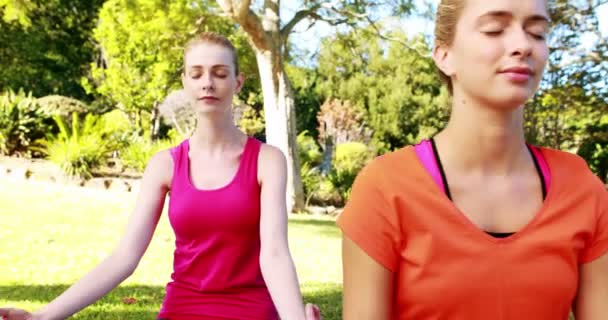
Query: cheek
479, 54
487, 54
542, 55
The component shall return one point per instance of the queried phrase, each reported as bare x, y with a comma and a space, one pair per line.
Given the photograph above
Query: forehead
208, 55
519, 9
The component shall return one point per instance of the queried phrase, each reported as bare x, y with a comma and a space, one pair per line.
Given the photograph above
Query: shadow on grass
327, 296
324, 227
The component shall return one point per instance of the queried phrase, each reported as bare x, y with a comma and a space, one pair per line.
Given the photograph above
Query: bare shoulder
271, 162
271, 155
160, 168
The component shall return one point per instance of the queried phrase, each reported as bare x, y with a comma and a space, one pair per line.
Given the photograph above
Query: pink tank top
426, 154
216, 270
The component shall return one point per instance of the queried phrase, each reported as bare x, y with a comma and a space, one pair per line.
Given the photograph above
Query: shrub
136, 155
78, 149
349, 159
21, 123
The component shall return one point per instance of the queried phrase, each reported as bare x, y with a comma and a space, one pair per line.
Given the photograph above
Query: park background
89, 90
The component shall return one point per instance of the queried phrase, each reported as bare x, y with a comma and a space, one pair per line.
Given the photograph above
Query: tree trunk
267, 40
155, 122
279, 114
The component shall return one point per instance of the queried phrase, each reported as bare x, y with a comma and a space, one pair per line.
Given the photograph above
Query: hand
312, 312
16, 314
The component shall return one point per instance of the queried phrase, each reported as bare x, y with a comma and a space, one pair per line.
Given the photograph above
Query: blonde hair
448, 14
217, 39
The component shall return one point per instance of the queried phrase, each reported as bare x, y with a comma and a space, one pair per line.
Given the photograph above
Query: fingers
309, 312
313, 312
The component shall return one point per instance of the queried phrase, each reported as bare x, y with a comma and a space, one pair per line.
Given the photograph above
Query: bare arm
121, 263
368, 286
592, 299
275, 259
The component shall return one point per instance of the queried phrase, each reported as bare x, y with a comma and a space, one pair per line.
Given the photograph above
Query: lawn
51, 235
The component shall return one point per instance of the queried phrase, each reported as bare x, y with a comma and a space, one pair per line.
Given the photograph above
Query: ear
240, 80
443, 60
184, 79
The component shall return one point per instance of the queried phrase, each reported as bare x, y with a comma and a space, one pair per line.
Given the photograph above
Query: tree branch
382, 36
228, 7
299, 16
244, 9
248, 20
252, 25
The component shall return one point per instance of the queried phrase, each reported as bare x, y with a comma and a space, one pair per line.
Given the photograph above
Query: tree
269, 36
46, 45
142, 45
398, 90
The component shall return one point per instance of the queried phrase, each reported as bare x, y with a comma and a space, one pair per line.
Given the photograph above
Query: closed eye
493, 33
538, 36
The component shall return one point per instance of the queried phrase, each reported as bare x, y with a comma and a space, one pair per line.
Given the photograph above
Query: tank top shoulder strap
542, 166
249, 159
179, 154
426, 155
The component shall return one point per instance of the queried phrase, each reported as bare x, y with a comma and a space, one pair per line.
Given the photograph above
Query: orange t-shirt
447, 268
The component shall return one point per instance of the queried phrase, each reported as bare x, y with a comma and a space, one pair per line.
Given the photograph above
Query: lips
208, 98
518, 74
519, 70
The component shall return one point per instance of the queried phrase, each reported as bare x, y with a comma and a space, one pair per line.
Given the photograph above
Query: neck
484, 139
215, 131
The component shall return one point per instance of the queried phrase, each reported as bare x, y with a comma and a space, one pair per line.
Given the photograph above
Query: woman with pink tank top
227, 208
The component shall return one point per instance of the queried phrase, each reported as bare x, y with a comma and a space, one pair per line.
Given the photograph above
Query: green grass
50, 236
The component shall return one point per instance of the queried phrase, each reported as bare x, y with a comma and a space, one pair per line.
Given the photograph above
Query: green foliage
349, 159
137, 154
307, 99
21, 123
143, 44
251, 120
396, 87
62, 106
84, 144
46, 45
310, 157
308, 150
595, 148
17, 10
78, 148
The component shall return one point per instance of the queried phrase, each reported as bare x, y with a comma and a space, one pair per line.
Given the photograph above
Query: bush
310, 157
62, 106
77, 150
349, 159
21, 123
308, 150
594, 150
116, 129
136, 155
333, 189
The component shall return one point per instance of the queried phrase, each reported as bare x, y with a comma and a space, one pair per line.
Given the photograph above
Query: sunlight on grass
52, 235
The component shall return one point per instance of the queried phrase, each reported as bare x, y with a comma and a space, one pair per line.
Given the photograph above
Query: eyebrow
198, 67
506, 14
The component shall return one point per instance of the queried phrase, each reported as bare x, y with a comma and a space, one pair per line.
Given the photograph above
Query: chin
510, 99
204, 108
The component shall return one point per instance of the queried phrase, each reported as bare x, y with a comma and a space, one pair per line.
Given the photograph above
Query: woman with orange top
475, 223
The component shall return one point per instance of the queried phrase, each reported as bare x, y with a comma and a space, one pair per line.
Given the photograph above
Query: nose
520, 43
207, 82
